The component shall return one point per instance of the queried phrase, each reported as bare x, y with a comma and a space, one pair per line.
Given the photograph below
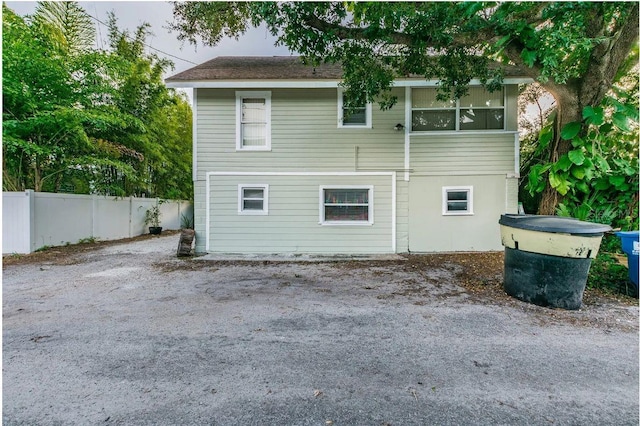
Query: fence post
130, 216
31, 212
94, 209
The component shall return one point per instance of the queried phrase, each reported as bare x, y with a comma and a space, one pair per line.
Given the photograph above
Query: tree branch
353, 33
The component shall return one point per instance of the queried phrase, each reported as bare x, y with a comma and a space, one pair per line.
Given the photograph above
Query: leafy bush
607, 275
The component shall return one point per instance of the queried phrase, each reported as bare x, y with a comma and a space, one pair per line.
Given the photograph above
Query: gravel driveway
128, 334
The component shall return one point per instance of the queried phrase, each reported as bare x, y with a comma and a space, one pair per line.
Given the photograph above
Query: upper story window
253, 121
479, 110
358, 117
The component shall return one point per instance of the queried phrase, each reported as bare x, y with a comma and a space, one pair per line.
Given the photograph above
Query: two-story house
279, 168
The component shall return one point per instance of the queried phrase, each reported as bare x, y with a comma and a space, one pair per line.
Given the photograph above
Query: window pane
346, 196
456, 206
254, 135
426, 98
337, 213
253, 193
253, 111
457, 195
252, 204
481, 119
478, 97
433, 120
356, 116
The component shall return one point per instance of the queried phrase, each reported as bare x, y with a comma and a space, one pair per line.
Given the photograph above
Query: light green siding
199, 215
304, 135
512, 195
431, 231
463, 154
293, 221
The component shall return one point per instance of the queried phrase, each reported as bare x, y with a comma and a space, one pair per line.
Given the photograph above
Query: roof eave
309, 84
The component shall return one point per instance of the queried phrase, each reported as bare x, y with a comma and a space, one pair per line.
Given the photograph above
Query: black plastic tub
547, 258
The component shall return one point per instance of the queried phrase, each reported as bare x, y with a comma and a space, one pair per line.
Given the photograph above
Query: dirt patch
71, 254
478, 275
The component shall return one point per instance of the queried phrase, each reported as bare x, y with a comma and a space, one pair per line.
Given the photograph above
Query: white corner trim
194, 136
368, 114
516, 148
207, 214
468, 189
394, 213
266, 95
407, 132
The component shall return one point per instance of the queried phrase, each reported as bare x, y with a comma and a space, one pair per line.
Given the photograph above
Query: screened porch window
479, 110
346, 205
253, 110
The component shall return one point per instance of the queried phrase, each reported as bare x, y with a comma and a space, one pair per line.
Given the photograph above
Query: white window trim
265, 199
468, 212
368, 114
457, 108
324, 222
266, 95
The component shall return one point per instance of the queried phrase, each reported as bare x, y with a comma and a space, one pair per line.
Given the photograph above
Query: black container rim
554, 224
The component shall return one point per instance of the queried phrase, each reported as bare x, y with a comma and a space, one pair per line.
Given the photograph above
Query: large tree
572, 49
78, 119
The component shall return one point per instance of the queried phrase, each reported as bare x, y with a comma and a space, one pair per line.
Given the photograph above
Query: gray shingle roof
284, 68
257, 68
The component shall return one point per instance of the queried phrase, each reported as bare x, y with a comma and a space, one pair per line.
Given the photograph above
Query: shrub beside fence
31, 220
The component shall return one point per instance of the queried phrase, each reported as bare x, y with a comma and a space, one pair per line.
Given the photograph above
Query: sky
131, 14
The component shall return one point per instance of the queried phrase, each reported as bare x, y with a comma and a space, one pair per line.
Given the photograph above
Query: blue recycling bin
631, 247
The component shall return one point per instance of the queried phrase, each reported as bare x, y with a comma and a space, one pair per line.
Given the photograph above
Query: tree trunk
590, 89
569, 109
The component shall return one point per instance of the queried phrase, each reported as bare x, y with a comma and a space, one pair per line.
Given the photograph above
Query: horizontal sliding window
346, 205
478, 110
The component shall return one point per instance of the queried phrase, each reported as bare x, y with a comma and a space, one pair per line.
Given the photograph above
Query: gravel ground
129, 334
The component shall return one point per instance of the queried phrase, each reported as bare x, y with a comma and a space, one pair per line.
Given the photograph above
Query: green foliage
609, 276
152, 216
77, 119
186, 222
599, 176
451, 41
68, 24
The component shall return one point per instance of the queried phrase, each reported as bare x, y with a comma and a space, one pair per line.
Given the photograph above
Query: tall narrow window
355, 117
351, 205
457, 200
253, 199
253, 118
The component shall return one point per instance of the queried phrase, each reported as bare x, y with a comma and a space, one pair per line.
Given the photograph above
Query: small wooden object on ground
186, 240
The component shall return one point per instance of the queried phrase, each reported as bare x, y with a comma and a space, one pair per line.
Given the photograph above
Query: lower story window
346, 205
457, 200
253, 199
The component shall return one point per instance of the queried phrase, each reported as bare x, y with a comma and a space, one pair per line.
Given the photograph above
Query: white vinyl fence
31, 220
